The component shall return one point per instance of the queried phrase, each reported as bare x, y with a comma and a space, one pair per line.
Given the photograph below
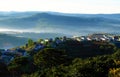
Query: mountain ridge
61, 22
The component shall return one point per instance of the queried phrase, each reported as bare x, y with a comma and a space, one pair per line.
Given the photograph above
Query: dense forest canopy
69, 58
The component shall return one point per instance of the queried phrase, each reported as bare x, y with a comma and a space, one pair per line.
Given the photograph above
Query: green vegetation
69, 58
30, 42
21, 65
48, 58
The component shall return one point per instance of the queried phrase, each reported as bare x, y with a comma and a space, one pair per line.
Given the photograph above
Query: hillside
61, 57
8, 41
79, 24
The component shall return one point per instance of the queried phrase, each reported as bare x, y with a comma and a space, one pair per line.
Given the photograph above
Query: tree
115, 72
21, 65
30, 42
49, 57
116, 55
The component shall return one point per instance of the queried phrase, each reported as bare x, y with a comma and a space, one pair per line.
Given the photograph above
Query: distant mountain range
53, 22
23, 25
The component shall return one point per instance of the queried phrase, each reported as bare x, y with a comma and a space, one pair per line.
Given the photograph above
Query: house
116, 38
58, 41
20, 52
46, 40
99, 37
84, 38
39, 46
77, 38
89, 39
103, 39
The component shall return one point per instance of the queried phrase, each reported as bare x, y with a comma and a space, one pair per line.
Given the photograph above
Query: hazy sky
66, 6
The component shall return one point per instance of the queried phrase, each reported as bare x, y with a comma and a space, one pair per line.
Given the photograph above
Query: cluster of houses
114, 39
98, 37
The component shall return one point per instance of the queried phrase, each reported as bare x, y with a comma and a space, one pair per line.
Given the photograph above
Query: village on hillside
7, 55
